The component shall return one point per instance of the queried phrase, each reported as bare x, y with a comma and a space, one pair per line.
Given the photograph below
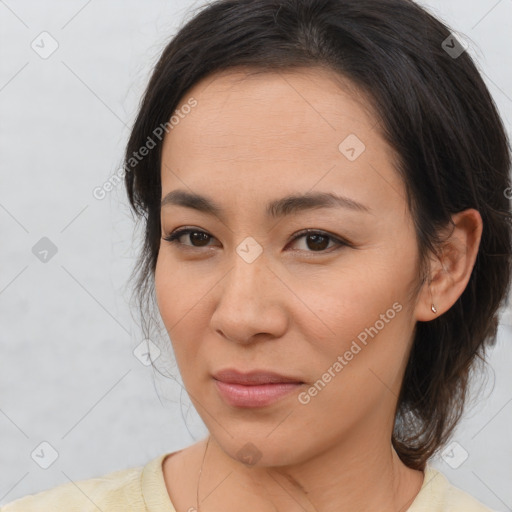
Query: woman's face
333, 310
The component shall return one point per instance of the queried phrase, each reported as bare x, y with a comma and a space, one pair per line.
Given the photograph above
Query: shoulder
439, 495
457, 499
118, 491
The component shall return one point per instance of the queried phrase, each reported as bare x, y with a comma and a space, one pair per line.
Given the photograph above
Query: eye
318, 241
196, 235
315, 241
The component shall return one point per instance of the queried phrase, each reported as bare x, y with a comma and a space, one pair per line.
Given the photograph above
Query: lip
254, 377
256, 388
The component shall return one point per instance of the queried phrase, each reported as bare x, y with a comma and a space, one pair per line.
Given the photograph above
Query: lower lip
239, 395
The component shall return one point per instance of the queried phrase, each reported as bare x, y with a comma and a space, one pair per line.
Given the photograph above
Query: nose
251, 302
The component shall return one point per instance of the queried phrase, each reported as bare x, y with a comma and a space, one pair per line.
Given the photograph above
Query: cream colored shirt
142, 489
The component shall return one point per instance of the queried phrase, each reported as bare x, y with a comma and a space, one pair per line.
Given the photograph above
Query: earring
434, 310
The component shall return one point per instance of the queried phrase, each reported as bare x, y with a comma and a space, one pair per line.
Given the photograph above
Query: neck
362, 472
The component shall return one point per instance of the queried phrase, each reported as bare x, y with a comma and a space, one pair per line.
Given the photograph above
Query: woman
328, 242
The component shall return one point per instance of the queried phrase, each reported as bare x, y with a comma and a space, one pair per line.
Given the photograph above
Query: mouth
254, 389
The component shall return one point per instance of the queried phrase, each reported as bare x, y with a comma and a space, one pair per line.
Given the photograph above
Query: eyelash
174, 236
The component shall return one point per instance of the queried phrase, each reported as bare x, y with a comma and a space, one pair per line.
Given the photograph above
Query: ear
451, 269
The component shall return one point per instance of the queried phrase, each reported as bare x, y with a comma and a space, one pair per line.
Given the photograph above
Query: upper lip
253, 377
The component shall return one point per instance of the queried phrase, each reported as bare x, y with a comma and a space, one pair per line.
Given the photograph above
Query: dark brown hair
435, 112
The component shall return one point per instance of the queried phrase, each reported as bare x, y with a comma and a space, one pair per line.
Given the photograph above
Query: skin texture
295, 308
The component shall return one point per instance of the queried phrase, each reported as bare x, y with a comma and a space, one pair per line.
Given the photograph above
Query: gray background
68, 375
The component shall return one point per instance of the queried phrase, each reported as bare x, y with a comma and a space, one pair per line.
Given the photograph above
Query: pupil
316, 243
200, 237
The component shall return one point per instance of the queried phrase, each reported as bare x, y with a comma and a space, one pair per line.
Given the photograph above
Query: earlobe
452, 268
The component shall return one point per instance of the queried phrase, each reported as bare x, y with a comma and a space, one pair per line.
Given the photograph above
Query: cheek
354, 364
182, 298
175, 300
360, 314
178, 290
166, 291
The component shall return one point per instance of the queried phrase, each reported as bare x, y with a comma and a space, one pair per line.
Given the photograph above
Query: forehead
301, 105
274, 127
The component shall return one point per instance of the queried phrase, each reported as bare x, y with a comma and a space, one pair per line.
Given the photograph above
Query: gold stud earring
434, 310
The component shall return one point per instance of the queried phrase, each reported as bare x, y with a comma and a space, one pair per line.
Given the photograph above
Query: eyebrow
287, 205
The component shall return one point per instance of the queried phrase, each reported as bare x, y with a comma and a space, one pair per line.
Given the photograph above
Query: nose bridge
246, 305
248, 267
